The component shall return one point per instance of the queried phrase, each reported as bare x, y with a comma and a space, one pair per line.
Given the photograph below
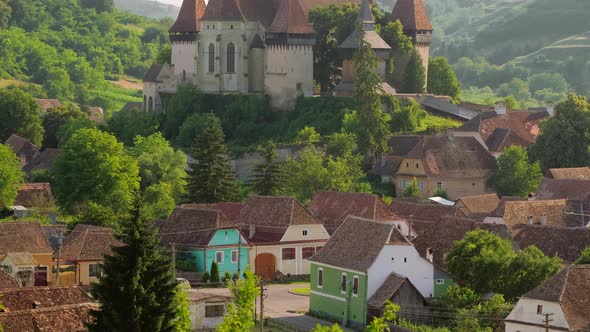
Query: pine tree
415, 76
269, 178
137, 290
210, 178
367, 91
214, 272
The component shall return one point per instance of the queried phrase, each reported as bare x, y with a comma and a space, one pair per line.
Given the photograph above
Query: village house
43, 162
358, 259
458, 165
47, 104
332, 208
575, 173
572, 184
533, 212
563, 299
24, 149
283, 235
478, 206
7, 281
82, 254
203, 236
422, 215
20, 266
399, 290
35, 195
206, 310
566, 243
28, 237
48, 309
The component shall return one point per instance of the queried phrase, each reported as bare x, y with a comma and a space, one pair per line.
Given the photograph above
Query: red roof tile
189, 17
26, 236
22, 147
412, 14
576, 173
7, 281
192, 225
290, 18
519, 212
569, 189
17, 299
567, 243
44, 161
89, 243
223, 10
34, 195
46, 104
71, 318
478, 204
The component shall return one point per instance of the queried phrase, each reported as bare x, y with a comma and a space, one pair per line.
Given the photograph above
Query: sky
172, 2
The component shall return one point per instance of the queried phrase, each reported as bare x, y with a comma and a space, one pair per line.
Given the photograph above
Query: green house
202, 235
349, 273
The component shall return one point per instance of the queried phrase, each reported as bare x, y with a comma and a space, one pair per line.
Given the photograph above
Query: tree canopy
19, 114
584, 257
515, 175
54, 118
415, 74
241, 312
11, 176
442, 79
269, 178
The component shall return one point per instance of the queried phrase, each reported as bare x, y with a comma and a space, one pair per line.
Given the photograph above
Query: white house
563, 300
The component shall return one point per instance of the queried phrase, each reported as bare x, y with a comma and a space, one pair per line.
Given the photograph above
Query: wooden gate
41, 276
265, 266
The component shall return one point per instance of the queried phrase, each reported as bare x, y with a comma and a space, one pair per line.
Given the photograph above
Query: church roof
189, 17
412, 15
290, 18
223, 10
370, 35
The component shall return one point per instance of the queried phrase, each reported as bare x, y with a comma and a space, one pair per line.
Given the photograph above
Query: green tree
553, 81
511, 103
393, 34
158, 201
415, 74
440, 192
479, 259
182, 321
408, 118
413, 190
127, 125
11, 176
584, 257
214, 272
457, 297
5, 11
70, 127
19, 114
58, 84
210, 178
191, 128
307, 135
185, 102
55, 118
517, 88
373, 123
165, 55
528, 269
381, 324
515, 175
442, 79
565, 138
137, 291
240, 314
341, 144
99, 5
333, 328
93, 167
269, 178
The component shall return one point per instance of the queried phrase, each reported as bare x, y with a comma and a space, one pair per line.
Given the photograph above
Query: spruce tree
137, 289
415, 76
367, 90
214, 272
269, 178
210, 178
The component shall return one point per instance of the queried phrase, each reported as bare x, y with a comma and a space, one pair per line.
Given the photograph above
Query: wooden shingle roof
412, 14
7, 281
223, 10
189, 17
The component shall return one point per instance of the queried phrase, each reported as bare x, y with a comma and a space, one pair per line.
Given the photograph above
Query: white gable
525, 317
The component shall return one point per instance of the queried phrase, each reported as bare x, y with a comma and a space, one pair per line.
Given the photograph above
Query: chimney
500, 107
252, 231
551, 108
36, 304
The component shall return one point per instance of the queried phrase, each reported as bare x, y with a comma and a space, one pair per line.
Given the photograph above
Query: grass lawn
300, 291
116, 96
434, 123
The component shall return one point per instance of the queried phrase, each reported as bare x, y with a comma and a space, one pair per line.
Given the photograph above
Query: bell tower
183, 38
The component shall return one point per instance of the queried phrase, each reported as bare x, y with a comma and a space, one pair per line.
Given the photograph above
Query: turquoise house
201, 236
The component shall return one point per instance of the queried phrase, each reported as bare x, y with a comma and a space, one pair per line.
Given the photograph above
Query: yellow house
460, 166
82, 254
283, 235
28, 238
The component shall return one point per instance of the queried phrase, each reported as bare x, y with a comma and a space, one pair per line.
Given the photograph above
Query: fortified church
264, 46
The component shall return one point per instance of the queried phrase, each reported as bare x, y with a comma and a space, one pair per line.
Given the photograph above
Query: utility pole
59, 242
173, 245
547, 320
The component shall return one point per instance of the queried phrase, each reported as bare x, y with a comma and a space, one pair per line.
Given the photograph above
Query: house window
288, 254
231, 55
219, 257
94, 271
544, 220
320, 278
405, 259
234, 256
214, 310
421, 185
417, 165
211, 58
440, 281
407, 165
150, 104
355, 285
539, 310
343, 283
304, 232
440, 185
530, 220
404, 184
307, 252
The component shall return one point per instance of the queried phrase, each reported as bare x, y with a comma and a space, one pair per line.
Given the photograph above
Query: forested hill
504, 39
148, 8
66, 49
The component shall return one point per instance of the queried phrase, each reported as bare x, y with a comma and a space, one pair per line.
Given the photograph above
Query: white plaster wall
296, 266
183, 58
526, 311
150, 89
314, 232
404, 228
286, 67
417, 269
494, 220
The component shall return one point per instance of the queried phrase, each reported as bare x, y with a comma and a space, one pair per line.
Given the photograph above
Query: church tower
412, 15
183, 38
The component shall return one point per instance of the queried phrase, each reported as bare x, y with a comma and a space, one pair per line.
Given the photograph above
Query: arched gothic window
211, 58
144, 103
184, 75
231, 58
150, 105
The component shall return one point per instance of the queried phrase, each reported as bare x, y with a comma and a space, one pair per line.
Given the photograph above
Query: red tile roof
479, 204
229, 209
290, 18
34, 195
25, 236
22, 147
332, 208
576, 173
569, 189
17, 299
567, 243
189, 17
7, 281
412, 14
89, 243
44, 161
45, 104
192, 225
223, 10
518, 212
571, 289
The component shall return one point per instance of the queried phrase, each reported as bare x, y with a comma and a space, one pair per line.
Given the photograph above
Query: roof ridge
83, 243
292, 212
562, 291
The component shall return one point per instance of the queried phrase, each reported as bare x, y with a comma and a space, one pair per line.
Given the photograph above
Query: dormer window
530, 220
304, 232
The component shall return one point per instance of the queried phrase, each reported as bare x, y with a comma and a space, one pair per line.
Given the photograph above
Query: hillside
148, 8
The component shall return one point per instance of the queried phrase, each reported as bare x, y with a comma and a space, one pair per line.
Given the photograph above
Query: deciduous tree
415, 74
515, 175
442, 79
11, 176
240, 314
55, 118
19, 114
